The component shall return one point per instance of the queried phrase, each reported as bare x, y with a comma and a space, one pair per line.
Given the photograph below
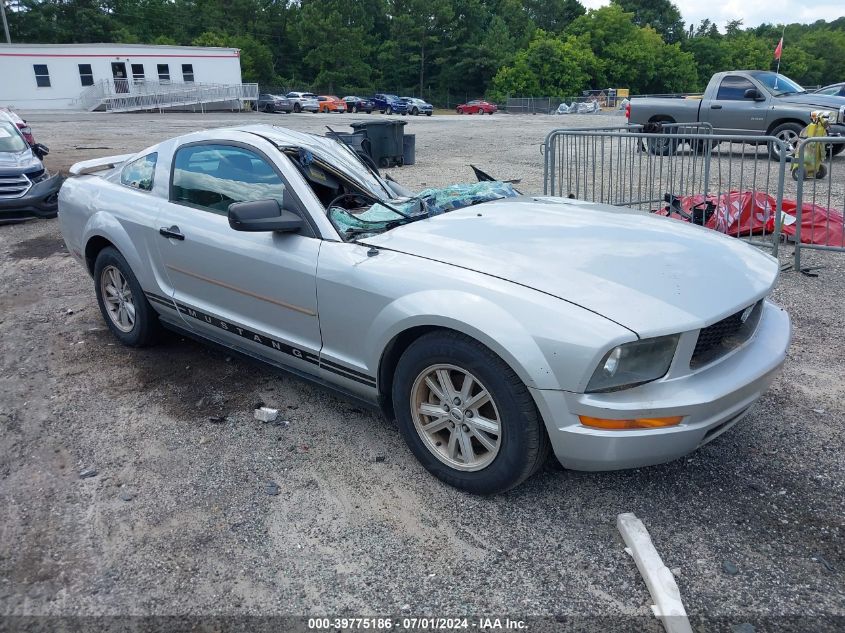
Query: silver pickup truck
746, 103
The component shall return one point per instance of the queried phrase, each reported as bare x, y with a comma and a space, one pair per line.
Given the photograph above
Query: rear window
140, 173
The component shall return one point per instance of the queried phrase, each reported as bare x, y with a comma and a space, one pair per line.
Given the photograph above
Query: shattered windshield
354, 217
777, 84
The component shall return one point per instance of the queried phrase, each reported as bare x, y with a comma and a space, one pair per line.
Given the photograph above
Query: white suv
304, 101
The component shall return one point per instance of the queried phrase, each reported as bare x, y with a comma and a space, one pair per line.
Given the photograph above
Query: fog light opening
630, 423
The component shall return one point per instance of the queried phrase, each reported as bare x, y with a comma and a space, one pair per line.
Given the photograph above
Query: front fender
475, 316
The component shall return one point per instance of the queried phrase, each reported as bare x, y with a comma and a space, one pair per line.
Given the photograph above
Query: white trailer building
121, 77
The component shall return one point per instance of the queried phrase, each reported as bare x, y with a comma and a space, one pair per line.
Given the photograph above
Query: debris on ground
266, 414
729, 568
661, 584
272, 488
87, 473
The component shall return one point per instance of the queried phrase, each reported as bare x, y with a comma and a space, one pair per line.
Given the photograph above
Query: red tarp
742, 213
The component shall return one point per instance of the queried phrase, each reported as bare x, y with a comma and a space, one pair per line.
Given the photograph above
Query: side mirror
263, 215
40, 150
753, 93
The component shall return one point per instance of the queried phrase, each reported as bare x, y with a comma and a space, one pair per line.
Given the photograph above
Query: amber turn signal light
634, 423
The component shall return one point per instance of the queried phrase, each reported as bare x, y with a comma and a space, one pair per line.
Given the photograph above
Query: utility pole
5, 23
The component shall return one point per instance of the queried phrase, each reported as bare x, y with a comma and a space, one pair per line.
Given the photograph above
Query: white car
492, 332
304, 101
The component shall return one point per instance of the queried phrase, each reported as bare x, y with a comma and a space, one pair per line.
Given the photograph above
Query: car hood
650, 274
19, 161
816, 100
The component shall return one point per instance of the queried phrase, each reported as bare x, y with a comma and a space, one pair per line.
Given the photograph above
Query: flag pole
777, 71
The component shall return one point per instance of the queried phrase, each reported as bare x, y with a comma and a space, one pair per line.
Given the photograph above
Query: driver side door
255, 292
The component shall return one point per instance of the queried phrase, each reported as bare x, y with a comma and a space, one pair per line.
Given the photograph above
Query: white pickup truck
746, 103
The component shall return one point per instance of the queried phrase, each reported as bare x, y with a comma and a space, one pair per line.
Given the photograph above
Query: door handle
715, 107
173, 232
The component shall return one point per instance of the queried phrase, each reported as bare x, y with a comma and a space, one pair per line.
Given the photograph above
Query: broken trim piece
660, 581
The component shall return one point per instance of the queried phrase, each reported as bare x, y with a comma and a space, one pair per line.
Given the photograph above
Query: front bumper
41, 201
711, 400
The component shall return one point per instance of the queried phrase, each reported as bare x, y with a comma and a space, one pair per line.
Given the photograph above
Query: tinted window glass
86, 75
140, 172
733, 88
163, 72
138, 73
188, 73
42, 75
212, 177
830, 91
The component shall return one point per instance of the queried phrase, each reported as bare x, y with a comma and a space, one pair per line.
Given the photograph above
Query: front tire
389, 110
122, 302
788, 133
466, 415
415, 111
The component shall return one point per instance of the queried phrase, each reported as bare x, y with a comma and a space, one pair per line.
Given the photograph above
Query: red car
476, 107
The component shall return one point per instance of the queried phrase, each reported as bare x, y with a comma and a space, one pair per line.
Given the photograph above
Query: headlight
634, 363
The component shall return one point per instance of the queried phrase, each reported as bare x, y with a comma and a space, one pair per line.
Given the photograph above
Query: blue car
418, 106
388, 104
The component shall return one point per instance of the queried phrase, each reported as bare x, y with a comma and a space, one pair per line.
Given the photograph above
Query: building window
42, 75
86, 75
163, 73
188, 73
138, 73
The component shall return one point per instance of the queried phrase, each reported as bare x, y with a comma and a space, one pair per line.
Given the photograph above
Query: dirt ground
178, 519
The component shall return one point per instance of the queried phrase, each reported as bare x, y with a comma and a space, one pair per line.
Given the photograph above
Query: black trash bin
385, 141
354, 140
409, 149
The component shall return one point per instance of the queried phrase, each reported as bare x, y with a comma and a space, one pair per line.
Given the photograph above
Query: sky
751, 12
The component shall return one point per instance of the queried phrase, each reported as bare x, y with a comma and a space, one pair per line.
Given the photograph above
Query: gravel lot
178, 519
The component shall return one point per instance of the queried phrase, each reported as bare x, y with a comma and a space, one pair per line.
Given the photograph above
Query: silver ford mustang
492, 333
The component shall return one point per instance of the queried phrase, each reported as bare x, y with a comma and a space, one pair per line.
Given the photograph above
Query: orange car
331, 104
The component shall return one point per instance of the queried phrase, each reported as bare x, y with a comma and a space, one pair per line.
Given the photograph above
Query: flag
779, 49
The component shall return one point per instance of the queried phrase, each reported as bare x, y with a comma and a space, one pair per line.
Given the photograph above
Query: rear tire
487, 444
297, 108
123, 304
415, 111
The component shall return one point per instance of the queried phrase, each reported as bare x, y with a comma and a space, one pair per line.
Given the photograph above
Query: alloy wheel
456, 417
117, 298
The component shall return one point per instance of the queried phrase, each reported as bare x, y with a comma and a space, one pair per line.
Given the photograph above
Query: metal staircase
124, 95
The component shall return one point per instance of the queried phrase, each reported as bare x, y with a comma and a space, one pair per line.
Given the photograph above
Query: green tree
553, 16
661, 15
550, 66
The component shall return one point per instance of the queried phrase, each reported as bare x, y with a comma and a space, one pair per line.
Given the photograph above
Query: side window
733, 88
163, 73
830, 91
138, 73
42, 75
188, 73
140, 172
211, 177
86, 75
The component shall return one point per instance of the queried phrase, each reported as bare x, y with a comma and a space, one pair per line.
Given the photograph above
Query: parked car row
310, 102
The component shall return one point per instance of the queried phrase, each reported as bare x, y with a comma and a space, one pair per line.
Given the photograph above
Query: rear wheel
466, 415
354, 109
297, 108
415, 111
389, 110
124, 306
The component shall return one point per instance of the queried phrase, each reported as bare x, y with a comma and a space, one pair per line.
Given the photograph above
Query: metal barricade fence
685, 171
820, 200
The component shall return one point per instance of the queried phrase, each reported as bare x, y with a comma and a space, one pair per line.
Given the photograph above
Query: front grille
718, 339
14, 186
